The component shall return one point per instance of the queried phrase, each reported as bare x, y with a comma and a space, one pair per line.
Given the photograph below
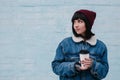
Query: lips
77, 29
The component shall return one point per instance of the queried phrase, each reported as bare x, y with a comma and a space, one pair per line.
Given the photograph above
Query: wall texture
30, 31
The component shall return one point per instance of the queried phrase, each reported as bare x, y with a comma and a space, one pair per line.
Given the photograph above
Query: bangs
78, 16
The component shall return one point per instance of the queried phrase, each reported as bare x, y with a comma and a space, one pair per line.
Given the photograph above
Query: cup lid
84, 52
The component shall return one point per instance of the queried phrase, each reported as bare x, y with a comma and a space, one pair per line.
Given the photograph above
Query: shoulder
101, 44
66, 41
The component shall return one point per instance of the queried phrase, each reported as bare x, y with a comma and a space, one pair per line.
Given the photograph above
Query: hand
87, 63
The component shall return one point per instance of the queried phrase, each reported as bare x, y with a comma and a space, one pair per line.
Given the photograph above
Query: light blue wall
30, 31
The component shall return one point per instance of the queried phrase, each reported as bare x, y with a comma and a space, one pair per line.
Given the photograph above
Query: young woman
67, 63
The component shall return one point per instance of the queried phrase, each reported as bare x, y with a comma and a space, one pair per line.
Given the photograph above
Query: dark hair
88, 32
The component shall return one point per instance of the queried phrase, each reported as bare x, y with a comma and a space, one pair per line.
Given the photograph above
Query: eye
80, 21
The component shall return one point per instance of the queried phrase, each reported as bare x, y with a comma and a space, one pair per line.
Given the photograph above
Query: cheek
84, 29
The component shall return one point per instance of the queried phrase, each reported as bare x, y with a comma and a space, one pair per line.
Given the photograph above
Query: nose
76, 25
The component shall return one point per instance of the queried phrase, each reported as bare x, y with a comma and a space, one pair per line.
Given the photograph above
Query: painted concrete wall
30, 31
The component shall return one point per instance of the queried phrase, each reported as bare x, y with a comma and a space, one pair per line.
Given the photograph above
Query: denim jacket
67, 54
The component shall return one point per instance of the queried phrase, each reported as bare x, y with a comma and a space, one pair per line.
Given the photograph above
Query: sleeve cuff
93, 70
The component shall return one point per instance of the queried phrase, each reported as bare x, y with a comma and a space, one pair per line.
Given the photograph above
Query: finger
83, 68
88, 66
88, 59
87, 62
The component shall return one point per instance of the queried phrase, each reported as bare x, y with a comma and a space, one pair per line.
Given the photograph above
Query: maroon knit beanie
90, 15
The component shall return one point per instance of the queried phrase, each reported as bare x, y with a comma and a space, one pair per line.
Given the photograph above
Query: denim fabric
67, 54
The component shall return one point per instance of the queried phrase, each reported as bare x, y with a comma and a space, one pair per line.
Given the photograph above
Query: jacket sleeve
100, 67
60, 67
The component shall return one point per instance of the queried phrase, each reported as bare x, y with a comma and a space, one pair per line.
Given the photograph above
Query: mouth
77, 29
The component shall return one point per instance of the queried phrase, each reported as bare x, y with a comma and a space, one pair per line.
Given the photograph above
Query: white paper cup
83, 55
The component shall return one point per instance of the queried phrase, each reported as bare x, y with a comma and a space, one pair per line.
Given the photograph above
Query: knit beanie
90, 15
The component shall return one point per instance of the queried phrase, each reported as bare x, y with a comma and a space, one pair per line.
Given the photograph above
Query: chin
79, 33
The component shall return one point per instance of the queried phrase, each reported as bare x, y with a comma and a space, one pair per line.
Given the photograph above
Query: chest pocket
72, 57
95, 57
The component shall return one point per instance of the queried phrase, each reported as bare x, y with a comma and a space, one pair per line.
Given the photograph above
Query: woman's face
79, 26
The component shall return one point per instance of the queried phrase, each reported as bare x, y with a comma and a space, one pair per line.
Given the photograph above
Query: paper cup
83, 54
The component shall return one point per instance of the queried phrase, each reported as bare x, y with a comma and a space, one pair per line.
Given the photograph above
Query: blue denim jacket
67, 54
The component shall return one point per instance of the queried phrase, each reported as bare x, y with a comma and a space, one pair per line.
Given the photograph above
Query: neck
83, 36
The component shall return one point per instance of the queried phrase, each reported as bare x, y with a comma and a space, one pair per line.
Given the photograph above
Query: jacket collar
92, 41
